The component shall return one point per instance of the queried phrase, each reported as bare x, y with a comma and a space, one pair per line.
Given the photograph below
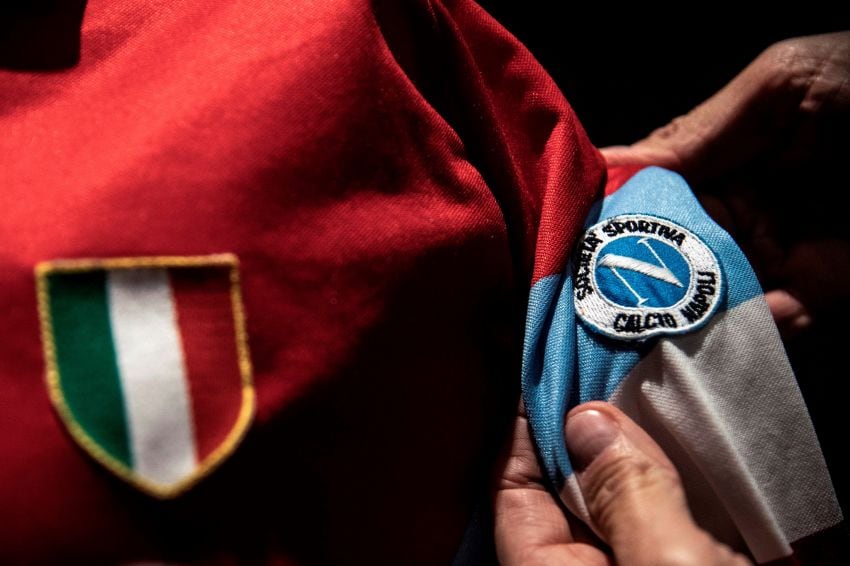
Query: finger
634, 494
790, 314
726, 130
530, 527
752, 115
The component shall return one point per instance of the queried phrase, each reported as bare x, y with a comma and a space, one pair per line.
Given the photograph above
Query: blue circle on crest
642, 272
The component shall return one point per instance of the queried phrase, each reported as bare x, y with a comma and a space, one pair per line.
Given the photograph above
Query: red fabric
617, 177
522, 135
384, 171
205, 317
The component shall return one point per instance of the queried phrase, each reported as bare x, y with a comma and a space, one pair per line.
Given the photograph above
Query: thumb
634, 494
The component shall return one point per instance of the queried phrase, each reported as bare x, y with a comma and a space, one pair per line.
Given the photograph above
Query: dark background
627, 72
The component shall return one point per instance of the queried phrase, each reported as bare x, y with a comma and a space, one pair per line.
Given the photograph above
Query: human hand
632, 491
766, 156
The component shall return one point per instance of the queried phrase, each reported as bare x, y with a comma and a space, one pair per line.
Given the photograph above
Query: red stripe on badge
205, 316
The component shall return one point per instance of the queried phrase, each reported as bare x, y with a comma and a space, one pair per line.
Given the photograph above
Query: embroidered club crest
147, 363
638, 276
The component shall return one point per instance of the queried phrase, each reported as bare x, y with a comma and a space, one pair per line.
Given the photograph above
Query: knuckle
520, 471
679, 555
789, 65
703, 550
698, 551
782, 53
672, 129
623, 483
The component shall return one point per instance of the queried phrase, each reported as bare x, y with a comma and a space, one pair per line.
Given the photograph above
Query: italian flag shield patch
147, 363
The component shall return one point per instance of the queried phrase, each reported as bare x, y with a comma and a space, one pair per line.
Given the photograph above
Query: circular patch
638, 275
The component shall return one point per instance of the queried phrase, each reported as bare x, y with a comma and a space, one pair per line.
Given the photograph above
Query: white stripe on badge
153, 376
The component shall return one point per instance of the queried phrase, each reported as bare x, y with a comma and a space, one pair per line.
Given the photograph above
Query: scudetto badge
147, 363
638, 276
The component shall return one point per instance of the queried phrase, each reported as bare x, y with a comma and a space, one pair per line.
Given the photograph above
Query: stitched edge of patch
246, 410
622, 322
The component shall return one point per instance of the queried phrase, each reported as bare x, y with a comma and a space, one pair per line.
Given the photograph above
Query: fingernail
588, 434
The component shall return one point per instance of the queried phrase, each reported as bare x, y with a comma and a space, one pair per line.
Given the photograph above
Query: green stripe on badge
85, 356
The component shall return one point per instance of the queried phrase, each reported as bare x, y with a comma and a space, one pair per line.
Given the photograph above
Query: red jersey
265, 275
374, 174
